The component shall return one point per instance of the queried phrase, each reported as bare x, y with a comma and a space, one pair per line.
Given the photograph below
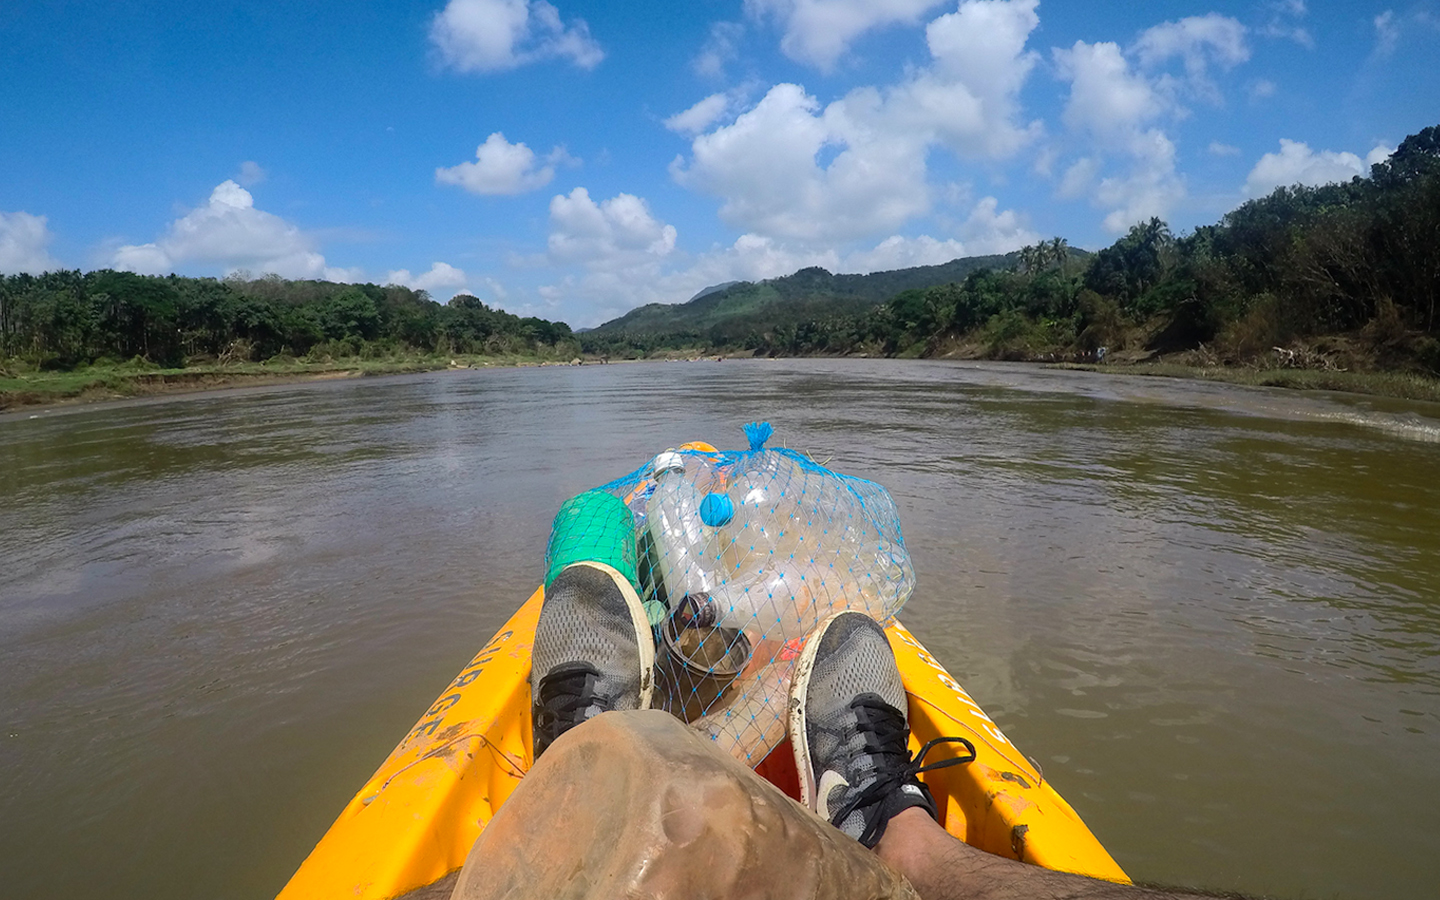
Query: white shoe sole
644, 637
799, 684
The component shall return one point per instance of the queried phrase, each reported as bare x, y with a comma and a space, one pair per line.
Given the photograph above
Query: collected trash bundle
738, 555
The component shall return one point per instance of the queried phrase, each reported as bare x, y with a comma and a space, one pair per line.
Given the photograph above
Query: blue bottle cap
716, 510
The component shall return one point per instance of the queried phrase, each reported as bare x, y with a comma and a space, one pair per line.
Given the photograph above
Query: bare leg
941, 867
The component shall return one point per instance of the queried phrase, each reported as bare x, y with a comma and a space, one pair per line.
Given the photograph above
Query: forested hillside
744, 312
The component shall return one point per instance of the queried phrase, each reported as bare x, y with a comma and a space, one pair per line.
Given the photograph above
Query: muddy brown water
1210, 613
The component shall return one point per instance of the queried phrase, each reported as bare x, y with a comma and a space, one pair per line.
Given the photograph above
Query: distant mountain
731, 311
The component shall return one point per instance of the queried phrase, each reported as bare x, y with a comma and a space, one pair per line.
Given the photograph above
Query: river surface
1211, 613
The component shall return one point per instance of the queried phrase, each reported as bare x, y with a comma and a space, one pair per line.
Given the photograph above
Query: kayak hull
414, 821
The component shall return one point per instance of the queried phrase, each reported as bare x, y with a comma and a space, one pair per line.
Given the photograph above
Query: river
1209, 612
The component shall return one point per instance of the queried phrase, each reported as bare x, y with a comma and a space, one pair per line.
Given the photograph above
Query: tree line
67, 319
1360, 257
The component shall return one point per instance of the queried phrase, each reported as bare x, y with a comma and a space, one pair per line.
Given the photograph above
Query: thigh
635, 804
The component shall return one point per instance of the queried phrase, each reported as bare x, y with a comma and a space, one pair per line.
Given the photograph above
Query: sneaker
594, 651
850, 733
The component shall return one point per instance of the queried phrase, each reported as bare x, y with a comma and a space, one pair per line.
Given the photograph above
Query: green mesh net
738, 555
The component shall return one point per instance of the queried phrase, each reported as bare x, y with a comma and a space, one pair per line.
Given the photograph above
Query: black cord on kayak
944, 763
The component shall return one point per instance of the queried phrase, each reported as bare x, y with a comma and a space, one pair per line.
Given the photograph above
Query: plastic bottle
679, 535
807, 544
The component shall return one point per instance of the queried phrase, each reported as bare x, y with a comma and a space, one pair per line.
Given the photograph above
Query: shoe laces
887, 742
566, 697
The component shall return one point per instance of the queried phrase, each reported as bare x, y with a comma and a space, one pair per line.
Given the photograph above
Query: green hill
733, 312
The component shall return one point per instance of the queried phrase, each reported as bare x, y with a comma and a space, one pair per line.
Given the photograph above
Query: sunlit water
1209, 612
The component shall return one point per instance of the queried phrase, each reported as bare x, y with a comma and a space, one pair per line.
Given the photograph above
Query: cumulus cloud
766, 167
494, 35
791, 169
442, 278
1296, 163
229, 231
1107, 99
819, 32
1116, 107
612, 234
616, 251
24, 244
1218, 149
968, 98
501, 167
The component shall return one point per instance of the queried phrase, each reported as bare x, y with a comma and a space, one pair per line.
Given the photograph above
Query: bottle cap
669, 461
717, 510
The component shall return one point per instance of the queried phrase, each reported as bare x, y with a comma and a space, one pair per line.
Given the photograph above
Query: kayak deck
414, 821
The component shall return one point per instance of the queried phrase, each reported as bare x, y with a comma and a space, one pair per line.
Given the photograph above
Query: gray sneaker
850, 733
594, 651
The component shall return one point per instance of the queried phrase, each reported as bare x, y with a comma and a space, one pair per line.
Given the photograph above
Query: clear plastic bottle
682, 541
806, 544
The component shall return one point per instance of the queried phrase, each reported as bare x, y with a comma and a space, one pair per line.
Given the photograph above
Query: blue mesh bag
740, 554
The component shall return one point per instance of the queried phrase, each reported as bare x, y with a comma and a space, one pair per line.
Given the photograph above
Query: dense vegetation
1333, 276
65, 319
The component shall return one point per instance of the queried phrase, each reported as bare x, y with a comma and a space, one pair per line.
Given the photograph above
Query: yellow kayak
413, 823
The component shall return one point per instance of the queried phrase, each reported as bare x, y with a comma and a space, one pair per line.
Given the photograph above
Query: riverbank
1399, 385
126, 380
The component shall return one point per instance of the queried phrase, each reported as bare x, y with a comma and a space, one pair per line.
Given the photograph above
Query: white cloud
1218, 149
228, 230
1079, 178
991, 230
700, 116
1107, 99
442, 278
24, 243
1285, 16
968, 98
1150, 189
1296, 163
1198, 41
612, 234
720, 49
1391, 28
790, 169
1115, 107
493, 35
501, 167
819, 32
766, 168
251, 173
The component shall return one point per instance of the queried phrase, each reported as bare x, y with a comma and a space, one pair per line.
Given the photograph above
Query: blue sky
576, 159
